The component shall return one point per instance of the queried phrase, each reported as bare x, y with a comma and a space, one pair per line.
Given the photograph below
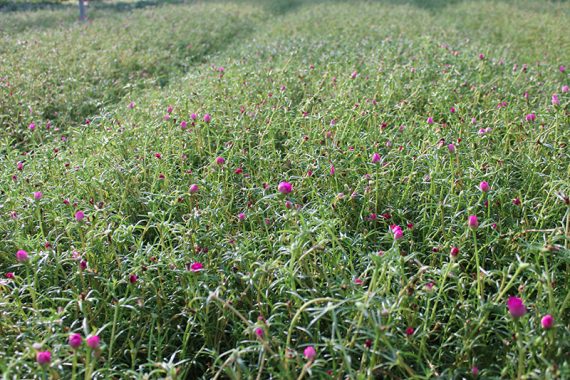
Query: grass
303, 92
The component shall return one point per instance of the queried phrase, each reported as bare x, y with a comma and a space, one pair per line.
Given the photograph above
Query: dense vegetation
145, 204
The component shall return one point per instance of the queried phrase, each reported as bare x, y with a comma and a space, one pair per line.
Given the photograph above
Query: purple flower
429, 120
484, 186
451, 148
310, 353
79, 215
21, 255
516, 307
284, 187
43, 357
547, 322
93, 341
207, 118
530, 117
376, 158
194, 188
555, 100
38, 195
75, 340
472, 222
220, 160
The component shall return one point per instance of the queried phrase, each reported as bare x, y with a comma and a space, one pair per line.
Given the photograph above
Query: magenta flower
194, 188
454, 251
484, 186
183, 124
38, 195
167, 117
259, 332
75, 340
555, 100
565, 89
562, 68
10, 275
376, 158
79, 215
354, 74
410, 331
133, 278
21, 255
196, 267
530, 117
241, 216
547, 322
516, 307
472, 222
429, 120
451, 148
207, 118
83, 264
475, 371
452, 110
310, 353
284, 187
20, 165
131, 105
220, 160
332, 170
43, 357
32, 126
481, 56
169, 109
398, 233
93, 341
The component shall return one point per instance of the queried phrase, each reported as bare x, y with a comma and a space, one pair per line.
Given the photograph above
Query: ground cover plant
285, 189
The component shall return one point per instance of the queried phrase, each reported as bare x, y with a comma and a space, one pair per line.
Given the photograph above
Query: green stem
479, 282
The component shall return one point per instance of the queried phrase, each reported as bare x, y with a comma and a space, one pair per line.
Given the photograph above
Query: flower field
285, 189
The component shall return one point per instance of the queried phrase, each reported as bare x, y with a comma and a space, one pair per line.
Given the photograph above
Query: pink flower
332, 170
429, 287
93, 341
193, 116
38, 195
220, 160
167, 117
481, 56
562, 68
454, 251
516, 307
32, 126
555, 100
75, 340
131, 105
43, 357
310, 353
20, 165
169, 110
354, 74
183, 124
473, 120
410, 331
376, 158
196, 267
530, 117
472, 222
565, 89
83, 264
547, 322
475, 371
429, 120
284, 187
484, 186
133, 278
10, 275
241, 216
259, 332
207, 118
452, 110
79, 215
194, 188
451, 148
21, 255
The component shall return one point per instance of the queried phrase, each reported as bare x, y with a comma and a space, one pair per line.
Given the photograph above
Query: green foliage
294, 88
